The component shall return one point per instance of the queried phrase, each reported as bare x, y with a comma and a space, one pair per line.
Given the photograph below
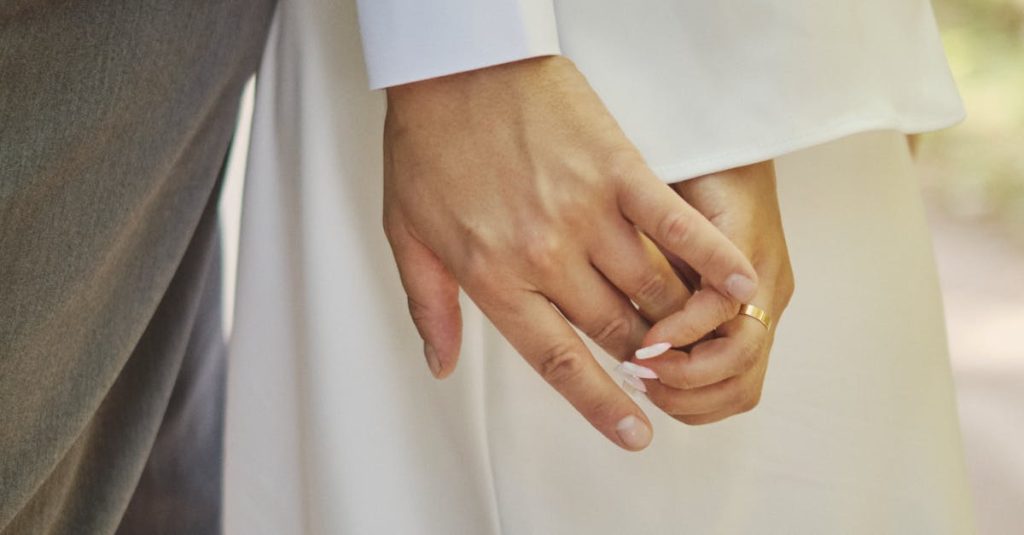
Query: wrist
461, 88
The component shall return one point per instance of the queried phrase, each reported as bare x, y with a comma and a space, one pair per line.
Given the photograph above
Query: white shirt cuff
410, 40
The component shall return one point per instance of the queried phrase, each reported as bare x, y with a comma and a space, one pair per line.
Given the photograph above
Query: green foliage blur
976, 170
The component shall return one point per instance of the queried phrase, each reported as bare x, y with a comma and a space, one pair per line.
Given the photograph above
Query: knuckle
676, 228
747, 356
737, 396
750, 402
476, 267
713, 256
561, 365
419, 312
684, 380
725, 308
622, 165
543, 253
651, 289
787, 286
602, 411
478, 275
689, 332
574, 210
612, 332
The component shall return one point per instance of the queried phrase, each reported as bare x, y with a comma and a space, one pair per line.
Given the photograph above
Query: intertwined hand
721, 371
515, 183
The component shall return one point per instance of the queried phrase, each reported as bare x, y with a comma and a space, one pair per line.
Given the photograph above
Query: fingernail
634, 383
432, 360
638, 371
740, 288
652, 351
633, 432
630, 389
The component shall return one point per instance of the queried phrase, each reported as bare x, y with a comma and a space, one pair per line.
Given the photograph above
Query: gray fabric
115, 117
180, 488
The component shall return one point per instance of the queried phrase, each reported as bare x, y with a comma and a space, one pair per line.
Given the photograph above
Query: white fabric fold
706, 86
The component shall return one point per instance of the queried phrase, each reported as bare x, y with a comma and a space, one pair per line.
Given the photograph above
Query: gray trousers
115, 119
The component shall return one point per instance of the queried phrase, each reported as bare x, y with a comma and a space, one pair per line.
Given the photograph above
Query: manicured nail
740, 288
432, 360
633, 432
634, 383
638, 371
630, 389
652, 351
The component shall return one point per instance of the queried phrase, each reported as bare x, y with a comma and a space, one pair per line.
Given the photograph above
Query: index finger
669, 220
741, 346
543, 337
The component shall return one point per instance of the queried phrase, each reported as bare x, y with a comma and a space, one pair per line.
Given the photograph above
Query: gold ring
757, 313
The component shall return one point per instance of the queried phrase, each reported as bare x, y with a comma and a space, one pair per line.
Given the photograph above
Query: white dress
335, 426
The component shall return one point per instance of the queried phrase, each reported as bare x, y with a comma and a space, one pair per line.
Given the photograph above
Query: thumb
433, 295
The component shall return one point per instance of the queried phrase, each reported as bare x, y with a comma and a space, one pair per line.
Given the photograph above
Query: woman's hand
515, 183
722, 371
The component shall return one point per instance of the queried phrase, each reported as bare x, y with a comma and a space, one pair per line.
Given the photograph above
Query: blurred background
972, 177
973, 181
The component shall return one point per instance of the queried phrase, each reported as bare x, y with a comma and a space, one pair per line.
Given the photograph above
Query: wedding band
757, 313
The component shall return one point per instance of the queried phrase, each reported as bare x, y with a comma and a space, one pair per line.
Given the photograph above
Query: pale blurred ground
973, 181
983, 286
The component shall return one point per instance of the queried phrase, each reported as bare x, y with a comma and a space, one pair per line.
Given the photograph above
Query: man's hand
722, 374
516, 184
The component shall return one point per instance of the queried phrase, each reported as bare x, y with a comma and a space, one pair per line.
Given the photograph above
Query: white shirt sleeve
409, 40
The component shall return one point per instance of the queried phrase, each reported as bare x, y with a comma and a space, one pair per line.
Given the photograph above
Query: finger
710, 418
635, 265
704, 312
669, 220
741, 347
600, 310
533, 326
740, 398
732, 394
433, 296
690, 278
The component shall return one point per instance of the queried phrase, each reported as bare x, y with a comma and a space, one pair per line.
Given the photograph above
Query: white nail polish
633, 432
652, 351
629, 388
638, 371
635, 383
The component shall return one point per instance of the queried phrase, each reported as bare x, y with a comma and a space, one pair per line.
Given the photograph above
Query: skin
723, 372
515, 183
